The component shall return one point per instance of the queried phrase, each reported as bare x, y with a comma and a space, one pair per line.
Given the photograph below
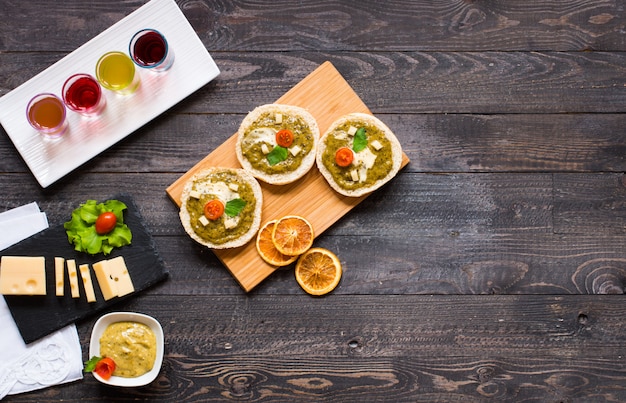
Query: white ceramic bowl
94, 346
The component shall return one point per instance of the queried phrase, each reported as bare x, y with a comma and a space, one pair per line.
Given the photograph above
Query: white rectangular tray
50, 160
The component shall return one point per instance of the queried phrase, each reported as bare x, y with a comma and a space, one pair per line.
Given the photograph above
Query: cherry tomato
284, 138
105, 368
344, 157
213, 209
105, 223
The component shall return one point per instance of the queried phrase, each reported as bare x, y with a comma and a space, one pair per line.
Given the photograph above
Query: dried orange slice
267, 250
292, 235
318, 271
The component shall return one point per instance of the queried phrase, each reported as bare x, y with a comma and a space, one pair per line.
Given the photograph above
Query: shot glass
82, 94
149, 50
116, 72
46, 113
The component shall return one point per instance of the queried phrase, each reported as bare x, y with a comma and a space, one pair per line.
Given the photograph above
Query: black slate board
38, 316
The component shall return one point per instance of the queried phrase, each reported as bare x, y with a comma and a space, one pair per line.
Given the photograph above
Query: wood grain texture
447, 25
492, 268
385, 348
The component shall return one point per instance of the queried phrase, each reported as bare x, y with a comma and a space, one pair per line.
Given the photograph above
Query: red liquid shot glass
46, 113
82, 93
149, 50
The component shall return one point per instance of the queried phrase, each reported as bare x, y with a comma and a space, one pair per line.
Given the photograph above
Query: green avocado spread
216, 186
263, 131
381, 160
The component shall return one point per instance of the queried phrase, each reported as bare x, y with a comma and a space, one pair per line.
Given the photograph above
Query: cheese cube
59, 275
233, 186
108, 288
113, 278
278, 117
22, 275
121, 276
352, 130
203, 220
87, 283
377, 146
73, 275
295, 150
265, 149
354, 175
195, 194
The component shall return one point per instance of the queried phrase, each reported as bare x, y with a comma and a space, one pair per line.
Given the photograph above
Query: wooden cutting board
327, 96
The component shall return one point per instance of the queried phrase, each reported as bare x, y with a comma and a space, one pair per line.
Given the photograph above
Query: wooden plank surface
327, 96
492, 268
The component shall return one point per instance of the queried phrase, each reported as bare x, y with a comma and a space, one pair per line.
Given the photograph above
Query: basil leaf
360, 140
91, 364
234, 207
278, 154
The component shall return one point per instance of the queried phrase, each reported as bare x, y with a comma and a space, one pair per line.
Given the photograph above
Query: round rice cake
376, 154
241, 197
258, 150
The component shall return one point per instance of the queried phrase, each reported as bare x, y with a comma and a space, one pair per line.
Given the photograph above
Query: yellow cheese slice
119, 273
87, 283
107, 286
59, 275
23, 275
113, 277
71, 271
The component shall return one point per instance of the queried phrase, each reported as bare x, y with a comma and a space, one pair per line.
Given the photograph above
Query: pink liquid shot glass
149, 50
46, 113
82, 94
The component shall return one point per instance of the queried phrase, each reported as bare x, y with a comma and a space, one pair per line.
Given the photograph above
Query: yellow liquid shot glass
116, 72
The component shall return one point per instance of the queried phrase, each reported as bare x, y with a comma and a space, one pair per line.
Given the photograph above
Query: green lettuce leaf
81, 230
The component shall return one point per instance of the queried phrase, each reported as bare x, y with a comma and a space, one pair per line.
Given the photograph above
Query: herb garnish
360, 140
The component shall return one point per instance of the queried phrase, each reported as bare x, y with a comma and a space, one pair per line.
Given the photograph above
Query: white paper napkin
52, 360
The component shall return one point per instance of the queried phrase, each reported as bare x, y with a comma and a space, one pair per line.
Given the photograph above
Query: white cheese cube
230, 222
279, 118
265, 149
203, 220
233, 186
376, 144
295, 150
354, 175
195, 194
352, 130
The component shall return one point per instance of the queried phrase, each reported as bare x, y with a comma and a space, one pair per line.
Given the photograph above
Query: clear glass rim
134, 39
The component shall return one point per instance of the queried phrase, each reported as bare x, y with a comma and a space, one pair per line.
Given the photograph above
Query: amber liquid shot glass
46, 113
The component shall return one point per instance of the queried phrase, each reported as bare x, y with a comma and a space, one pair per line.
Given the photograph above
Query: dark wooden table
491, 268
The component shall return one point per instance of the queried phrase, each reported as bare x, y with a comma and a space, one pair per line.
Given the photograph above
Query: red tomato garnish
284, 138
105, 223
105, 368
213, 209
344, 157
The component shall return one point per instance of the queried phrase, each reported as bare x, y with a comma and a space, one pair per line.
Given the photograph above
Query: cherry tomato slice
105, 368
105, 223
344, 157
213, 209
284, 138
